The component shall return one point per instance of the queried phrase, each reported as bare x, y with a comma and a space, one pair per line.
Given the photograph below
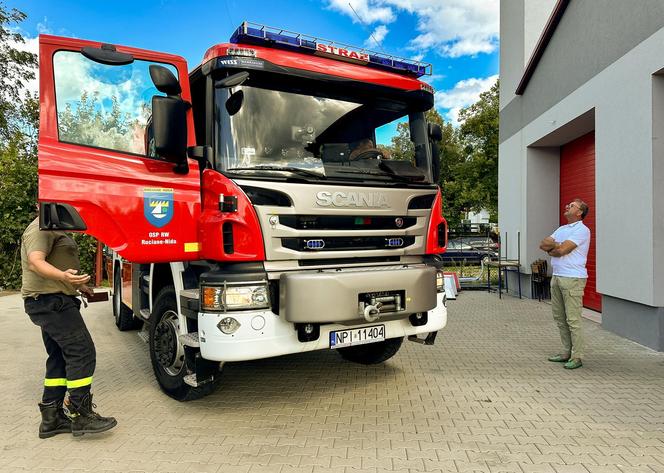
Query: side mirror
164, 80
234, 102
435, 161
435, 132
232, 80
107, 54
169, 122
435, 136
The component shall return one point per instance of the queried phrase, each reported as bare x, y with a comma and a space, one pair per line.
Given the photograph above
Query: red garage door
577, 179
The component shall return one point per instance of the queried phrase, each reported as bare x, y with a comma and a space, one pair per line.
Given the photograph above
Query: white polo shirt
573, 264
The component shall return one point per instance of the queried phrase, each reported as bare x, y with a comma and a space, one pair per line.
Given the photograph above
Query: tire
167, 354
372, 353
124, 318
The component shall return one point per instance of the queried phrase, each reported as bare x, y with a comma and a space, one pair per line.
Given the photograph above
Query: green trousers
566, 304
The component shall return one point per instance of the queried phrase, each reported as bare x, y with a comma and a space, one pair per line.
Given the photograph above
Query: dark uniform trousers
71, 352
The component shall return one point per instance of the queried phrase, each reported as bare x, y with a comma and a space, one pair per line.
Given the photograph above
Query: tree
450, 156
468, 157
18, 192
402, 148
18, 145
16, 68
479, 137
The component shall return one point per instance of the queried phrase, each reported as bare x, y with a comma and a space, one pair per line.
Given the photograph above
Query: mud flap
204, 371
429, 340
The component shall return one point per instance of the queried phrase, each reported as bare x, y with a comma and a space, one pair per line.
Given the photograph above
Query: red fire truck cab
249, 211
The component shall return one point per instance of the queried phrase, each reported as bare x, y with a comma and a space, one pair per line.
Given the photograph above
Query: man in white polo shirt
568, 248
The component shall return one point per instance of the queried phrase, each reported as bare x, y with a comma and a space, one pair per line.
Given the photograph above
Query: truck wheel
372, 353
167, 353
124, 318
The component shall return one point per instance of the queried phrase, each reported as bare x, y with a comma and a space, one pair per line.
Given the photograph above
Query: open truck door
115, 124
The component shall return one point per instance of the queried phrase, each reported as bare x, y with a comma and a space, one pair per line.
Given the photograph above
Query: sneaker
573, 364
559, 358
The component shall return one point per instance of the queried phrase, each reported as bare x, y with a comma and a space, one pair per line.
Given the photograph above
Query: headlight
440, 281
236, 296
228, 325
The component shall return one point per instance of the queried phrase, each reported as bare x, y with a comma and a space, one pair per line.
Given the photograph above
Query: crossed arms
557, 249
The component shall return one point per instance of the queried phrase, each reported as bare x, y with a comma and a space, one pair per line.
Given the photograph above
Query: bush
18, 189
18, 192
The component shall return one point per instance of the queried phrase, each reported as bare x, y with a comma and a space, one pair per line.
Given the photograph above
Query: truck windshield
291, 130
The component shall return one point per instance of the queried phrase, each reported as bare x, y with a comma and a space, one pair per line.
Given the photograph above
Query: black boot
54, 421
87, 421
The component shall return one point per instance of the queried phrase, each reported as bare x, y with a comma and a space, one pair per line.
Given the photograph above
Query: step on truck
247, 207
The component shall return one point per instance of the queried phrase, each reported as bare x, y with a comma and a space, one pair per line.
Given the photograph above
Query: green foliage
19, 125
16, 68
402, 148
18, 146
479, 136
87, 250
18, 191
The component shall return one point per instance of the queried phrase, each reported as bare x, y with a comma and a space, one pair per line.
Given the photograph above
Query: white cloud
369, 11
376, 38
456, 27
43, 28
463, 94
432, 78
31, 44
452, 27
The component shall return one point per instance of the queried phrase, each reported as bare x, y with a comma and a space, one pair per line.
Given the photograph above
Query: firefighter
365, 149
50, 286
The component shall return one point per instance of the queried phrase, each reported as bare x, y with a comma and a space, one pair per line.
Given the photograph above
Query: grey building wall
518, 38
642, 323
599, 72
658, 185
591, 35
512, 38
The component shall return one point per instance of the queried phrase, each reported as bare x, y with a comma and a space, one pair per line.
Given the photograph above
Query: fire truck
249, 211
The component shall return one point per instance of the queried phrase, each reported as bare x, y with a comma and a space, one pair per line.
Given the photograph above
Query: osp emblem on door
158, 205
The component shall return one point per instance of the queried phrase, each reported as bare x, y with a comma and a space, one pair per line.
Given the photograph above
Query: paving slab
484, 398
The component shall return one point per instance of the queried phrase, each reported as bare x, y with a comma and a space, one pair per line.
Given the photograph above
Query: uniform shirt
61, 251
573, 264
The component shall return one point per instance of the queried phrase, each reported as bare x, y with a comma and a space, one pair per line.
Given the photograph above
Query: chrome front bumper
336, 295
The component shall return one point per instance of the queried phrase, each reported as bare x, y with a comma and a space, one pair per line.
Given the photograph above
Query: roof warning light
253, 33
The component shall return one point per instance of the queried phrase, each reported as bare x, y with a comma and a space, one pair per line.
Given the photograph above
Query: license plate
357, 336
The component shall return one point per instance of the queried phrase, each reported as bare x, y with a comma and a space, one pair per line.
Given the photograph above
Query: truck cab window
267, 127
396, 135
258, 126
103, 106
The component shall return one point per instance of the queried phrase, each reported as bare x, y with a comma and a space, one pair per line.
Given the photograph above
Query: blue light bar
254, 33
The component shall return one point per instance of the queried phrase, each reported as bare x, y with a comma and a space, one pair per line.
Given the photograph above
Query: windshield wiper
402, 170
294, 170
380, 172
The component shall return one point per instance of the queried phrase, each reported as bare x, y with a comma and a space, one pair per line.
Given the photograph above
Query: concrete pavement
484, 398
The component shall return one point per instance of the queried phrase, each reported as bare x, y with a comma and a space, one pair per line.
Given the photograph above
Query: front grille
227, 233
316, 244
342, 261
346, 222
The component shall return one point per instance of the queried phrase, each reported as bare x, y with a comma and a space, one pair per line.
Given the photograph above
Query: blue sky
458, 37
